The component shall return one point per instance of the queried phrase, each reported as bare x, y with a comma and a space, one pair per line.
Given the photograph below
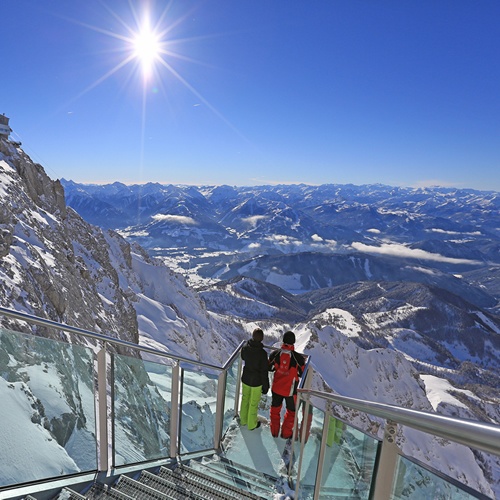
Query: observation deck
84, 415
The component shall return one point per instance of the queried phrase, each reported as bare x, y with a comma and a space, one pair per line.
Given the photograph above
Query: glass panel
47, 408
142, 392
230, 394
349, 462
413, 481
313, 421
198, 409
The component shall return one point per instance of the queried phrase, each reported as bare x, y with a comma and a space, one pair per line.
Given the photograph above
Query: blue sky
248, 92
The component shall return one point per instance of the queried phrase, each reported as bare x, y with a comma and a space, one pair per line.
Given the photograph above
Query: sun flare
146, 47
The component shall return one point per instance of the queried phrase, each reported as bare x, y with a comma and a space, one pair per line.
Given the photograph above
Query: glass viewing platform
80, 410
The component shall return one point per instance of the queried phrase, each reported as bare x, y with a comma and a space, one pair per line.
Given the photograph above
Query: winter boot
287, 428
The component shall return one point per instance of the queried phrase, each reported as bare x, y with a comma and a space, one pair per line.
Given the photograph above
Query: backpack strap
274, 360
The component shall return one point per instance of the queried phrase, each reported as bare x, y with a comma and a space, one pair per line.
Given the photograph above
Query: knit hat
289, 338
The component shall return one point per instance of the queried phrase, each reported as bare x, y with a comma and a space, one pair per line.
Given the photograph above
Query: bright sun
150, 47
147, 48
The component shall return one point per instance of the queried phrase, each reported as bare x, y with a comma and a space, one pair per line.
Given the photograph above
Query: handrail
103, 338
470, 433
233, 356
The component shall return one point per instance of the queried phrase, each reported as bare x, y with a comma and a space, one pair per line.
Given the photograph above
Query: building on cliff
5, 130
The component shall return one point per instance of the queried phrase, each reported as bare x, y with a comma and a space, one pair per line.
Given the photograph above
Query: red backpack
285, 373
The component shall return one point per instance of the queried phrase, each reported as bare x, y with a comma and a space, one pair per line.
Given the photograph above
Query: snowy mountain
436, 330
416, 343
404, 277
416, 268
305, 271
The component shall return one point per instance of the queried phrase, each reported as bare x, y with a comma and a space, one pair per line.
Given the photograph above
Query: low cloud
395, 250
292, 244
177, 219
283, 239
253, 220
442, 231
422, 269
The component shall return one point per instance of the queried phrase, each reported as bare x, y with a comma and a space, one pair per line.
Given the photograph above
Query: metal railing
106, 360
473, 434
377, 466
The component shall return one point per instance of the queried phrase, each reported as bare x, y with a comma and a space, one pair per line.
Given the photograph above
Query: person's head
289, 338
258, 335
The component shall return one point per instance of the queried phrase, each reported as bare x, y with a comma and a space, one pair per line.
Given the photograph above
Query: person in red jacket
287, 366
255, 379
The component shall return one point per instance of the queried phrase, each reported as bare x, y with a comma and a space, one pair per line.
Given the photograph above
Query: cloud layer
177, 219
395, 250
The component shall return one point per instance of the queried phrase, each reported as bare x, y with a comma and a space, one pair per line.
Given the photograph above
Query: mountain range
393, 292
309, 237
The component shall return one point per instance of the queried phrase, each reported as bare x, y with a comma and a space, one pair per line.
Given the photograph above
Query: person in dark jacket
255, 379
288, 367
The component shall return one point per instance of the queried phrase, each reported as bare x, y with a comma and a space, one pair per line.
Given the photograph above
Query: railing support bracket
384, 477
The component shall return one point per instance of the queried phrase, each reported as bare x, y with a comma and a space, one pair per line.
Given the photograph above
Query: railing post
302, 440
306, 384
322, 451
238, 387
174, 410
102, 409
384, 475
219, 408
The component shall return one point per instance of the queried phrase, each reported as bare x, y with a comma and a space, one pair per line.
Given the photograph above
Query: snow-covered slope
405, 344
56, 265
386, 375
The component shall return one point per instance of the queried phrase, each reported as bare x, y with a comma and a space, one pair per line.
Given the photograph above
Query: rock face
54, 264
